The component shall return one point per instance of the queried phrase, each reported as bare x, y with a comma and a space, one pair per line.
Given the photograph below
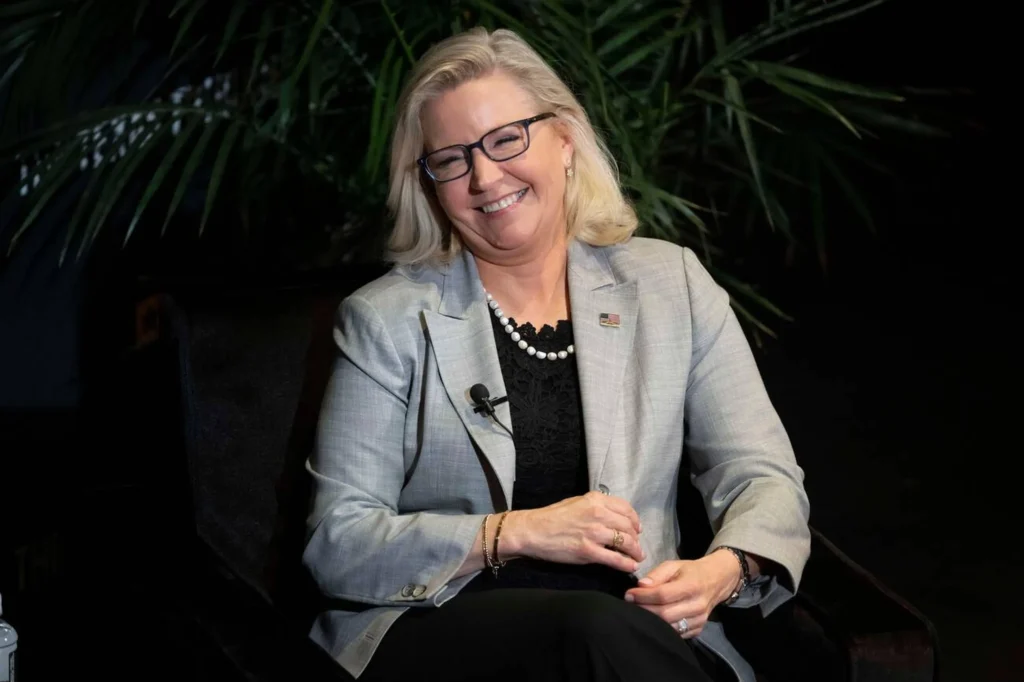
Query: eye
446, 160
508, 138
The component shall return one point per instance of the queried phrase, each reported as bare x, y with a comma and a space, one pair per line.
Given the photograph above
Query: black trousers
540, 635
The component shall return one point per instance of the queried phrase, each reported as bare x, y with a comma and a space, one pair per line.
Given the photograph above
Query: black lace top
551, 462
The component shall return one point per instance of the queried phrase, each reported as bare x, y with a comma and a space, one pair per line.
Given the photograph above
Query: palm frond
718, 127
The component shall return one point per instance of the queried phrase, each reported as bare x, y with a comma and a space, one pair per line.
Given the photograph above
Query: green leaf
613, 12
13, 10
186, 22
83, 203
161, 172
712, 97
735, 95
731, 282
745, 313
183, 58
809, 98
627, 34
848, 189
189, 170
819, 81
69, 128
782, 20
218, 171
180, 5
237, 10
885, 119
399, 33
63, 166
314, 37
388, 87
641, 53
124, 170
11, 70
266, 23
13, 40
140, 11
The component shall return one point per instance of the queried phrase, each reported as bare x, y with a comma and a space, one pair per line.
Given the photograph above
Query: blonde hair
595, 208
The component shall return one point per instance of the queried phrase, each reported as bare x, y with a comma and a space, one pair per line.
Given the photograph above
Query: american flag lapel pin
609, 319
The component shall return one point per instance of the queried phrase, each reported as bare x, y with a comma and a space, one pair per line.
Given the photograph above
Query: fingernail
645, 582
629, 597
640, 527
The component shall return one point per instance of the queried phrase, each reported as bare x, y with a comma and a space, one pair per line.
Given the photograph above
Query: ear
567, 147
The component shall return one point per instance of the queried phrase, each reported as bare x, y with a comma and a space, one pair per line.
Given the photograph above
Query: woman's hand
577, 530
675, 590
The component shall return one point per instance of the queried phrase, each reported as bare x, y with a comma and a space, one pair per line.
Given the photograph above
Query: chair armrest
843, 625
258, 641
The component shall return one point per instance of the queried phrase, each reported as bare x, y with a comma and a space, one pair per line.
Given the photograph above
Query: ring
682, 626
617, 539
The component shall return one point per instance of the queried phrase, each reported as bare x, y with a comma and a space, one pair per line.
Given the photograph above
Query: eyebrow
466, 144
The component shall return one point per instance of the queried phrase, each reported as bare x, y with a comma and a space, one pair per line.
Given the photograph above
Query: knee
593, 616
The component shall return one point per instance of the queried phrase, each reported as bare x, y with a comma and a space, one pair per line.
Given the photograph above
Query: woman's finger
608, 523
628, 543
673, 613
609, 557
621, 506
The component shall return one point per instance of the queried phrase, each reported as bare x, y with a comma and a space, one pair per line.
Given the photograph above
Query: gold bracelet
483, 542
498, 563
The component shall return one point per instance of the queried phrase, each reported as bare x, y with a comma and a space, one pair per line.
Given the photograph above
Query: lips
503, 203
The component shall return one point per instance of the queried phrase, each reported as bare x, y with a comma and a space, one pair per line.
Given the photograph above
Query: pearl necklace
517, 337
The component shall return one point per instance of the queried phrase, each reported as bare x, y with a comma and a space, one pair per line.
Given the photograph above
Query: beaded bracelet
744, 579
483, 542
498, 563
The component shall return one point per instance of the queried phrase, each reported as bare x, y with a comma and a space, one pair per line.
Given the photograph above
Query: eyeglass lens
499, 145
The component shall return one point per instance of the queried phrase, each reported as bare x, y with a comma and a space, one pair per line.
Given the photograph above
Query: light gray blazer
404, 471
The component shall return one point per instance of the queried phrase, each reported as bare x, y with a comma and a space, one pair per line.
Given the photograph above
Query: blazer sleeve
359, 547
741, 458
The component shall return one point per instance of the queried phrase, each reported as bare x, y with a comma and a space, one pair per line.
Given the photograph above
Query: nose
485, 172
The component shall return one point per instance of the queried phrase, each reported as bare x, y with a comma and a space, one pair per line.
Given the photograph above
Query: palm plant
277, 109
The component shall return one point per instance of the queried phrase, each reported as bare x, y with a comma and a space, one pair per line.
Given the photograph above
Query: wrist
728, 573
514, 540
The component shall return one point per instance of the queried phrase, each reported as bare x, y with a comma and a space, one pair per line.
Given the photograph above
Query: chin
510, 237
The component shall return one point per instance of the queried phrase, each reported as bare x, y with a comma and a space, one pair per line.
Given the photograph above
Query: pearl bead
517, 338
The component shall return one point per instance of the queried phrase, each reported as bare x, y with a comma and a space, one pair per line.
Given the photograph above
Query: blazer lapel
463, 344
602, 351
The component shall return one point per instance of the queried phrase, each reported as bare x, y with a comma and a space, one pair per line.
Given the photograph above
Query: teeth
504, 203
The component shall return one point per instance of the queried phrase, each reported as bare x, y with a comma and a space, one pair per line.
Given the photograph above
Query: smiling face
504, 212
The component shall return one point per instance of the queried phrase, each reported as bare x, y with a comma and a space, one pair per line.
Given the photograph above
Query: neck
532, 285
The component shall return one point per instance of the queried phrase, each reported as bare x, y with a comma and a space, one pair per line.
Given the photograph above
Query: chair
253, 368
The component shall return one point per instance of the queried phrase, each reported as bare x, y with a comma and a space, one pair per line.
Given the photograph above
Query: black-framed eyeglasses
501, 144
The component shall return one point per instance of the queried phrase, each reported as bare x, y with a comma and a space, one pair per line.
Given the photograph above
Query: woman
536, 538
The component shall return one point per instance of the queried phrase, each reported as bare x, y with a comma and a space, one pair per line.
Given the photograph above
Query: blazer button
419, 590
603, 489
408, 590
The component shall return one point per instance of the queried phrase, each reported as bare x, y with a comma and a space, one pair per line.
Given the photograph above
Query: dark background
896, 379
